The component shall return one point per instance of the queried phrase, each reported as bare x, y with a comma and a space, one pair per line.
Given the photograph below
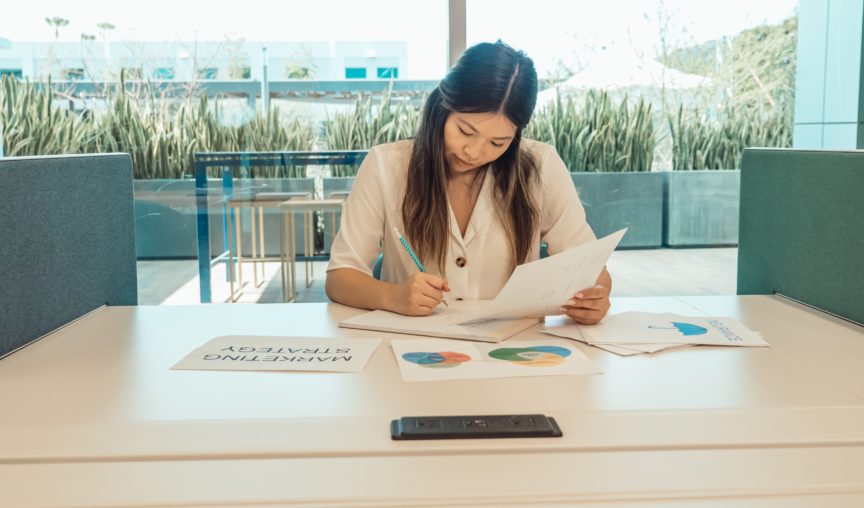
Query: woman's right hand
419, 295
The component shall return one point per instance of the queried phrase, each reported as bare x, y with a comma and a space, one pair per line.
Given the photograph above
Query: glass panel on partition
355, 72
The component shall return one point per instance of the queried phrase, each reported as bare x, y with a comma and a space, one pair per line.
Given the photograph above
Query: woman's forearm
356, 289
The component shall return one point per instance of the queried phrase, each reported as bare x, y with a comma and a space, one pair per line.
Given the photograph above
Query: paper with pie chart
441, 359
650, 332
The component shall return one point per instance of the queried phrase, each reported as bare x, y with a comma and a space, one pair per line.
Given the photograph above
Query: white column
458, 33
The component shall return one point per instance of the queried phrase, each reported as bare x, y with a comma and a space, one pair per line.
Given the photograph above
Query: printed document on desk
438, 359
642, 330
541, 287
445, 322
258, 352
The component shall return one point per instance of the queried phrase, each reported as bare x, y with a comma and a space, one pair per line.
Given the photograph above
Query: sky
553, 32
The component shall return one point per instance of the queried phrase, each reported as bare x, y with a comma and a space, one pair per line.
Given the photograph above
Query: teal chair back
801, 230
68, 241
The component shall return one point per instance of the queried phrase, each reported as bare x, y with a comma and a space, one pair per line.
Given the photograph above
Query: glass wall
671, 53
256, 76
630, 91
635, 88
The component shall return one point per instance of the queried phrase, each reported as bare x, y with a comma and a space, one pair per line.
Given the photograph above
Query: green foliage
239, 72
366, 126
31, 123
271, 133
296, 71
598, 136
700, 142
754, 68
161, 137
56, 22
755, 73
760, 68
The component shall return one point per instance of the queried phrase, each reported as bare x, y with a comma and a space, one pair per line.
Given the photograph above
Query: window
133, 73
239, 72
15, 73
163, 73
73, 73
355, 73
670, 54
208, 73
221, 54
388, 72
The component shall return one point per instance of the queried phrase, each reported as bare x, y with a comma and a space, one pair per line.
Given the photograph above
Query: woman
469, 195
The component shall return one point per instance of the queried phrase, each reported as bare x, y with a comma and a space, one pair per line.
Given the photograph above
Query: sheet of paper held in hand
541, 287
240, 352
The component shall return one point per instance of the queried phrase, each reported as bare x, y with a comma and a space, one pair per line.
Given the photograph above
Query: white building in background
210, 60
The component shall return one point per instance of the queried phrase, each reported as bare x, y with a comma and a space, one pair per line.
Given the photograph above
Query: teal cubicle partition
67, 241
802, 227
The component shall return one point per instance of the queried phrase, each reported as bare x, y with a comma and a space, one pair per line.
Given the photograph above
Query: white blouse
478, 264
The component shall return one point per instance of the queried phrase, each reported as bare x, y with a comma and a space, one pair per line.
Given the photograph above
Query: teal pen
411, 253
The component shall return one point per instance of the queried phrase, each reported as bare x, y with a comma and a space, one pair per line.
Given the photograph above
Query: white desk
92, 416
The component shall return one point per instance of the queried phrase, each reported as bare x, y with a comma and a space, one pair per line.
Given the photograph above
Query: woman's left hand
589, 306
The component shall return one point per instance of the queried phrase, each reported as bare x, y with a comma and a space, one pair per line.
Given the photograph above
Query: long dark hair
487, 78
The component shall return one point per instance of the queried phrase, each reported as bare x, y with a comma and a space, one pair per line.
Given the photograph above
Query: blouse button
460, 261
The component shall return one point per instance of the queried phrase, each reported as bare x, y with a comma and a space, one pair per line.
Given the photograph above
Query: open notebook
444, 322
534, 290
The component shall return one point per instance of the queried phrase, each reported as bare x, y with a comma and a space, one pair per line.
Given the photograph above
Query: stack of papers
630, 333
